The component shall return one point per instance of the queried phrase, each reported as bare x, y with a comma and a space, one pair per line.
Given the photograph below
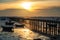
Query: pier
47, 27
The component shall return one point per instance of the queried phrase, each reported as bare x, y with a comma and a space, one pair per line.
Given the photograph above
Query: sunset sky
46, 8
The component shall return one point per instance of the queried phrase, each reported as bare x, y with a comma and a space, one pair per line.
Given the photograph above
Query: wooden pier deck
46, 27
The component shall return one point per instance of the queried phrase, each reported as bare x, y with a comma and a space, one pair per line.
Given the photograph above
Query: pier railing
49, 27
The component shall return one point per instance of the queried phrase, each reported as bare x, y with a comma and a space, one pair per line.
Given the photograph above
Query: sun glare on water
26, 5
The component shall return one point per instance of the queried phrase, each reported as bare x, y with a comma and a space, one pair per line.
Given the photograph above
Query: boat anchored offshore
8, 26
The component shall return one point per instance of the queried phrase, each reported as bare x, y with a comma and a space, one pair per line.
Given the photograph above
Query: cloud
14, 12
4, 1
51, 11
45, 4
44, 0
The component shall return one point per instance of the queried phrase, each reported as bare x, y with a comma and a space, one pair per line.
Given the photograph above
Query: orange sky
35, 5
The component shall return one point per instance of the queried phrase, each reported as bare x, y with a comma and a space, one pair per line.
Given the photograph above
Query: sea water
20, 34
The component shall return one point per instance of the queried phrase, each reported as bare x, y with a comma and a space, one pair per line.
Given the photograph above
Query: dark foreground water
21, 34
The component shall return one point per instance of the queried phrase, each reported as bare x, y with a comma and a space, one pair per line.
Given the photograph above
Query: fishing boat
8, 26
20, 25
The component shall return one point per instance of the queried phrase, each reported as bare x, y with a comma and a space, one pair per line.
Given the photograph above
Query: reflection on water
25, 33
20, 34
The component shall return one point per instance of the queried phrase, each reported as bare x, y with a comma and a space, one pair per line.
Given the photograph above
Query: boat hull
21, 26
7, 29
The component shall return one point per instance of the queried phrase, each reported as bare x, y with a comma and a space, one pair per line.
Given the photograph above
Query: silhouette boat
8, 26
19, 25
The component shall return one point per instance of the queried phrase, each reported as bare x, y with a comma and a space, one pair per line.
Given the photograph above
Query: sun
26, 5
